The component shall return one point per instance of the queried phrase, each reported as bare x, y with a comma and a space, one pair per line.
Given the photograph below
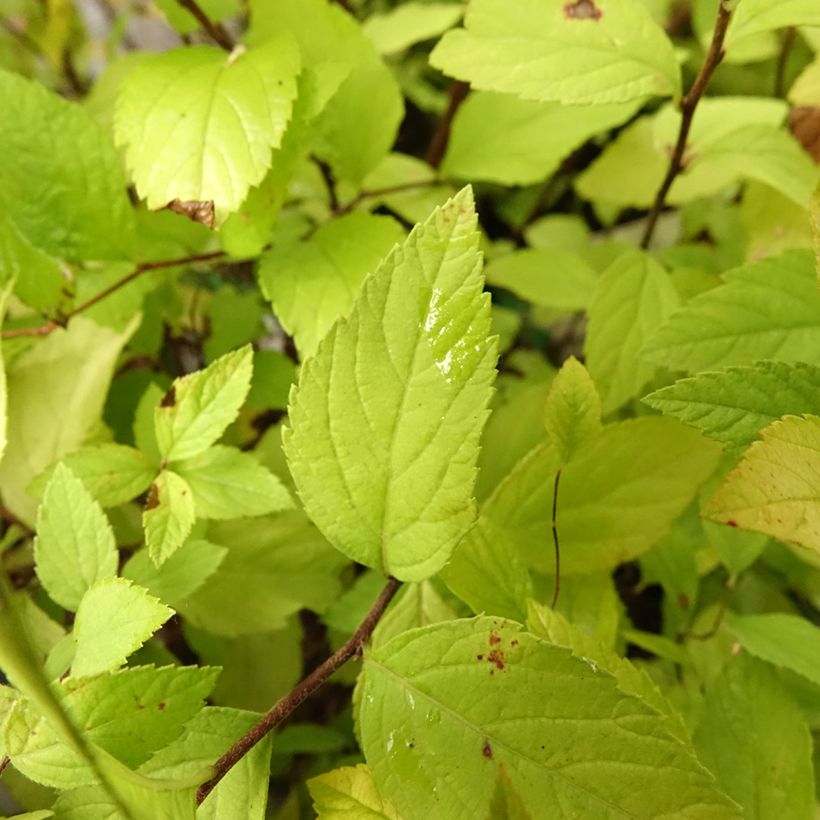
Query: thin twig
688, 105
290, 702
330, 184
782, 60
441, 137
216, 30
3, 763
388, 189
557, 588
144, 267
10, 518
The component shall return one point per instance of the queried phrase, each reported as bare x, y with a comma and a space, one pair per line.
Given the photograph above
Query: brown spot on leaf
196, 210
496, 658
153, 498
487, 750
494, 639
514, 642
731, 522
582, 10
161, 705
170, 398
479, 657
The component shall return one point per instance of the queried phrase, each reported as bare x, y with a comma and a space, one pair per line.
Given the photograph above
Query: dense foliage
410, 410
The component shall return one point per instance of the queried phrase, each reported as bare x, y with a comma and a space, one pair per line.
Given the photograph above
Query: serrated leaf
633, 297
349, 793
388, 477
168, 516
733, 405
765, 310
181, 575
754, 16
419, 605
776, 487
198, 407
567, 737
63, 191
113, 620
781, 639
504, 139
199, 126
274, 567
111, 473
549, 278
75, 545
754, 738
227, 483
243, 792
70, 368
312, 283
607, 51
572, 415
130, 713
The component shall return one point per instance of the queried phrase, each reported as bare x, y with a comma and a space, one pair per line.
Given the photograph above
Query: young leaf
456, 702
419, 605
75, 545
733, 405
588, 51
384, 425
113, 620
198, 407
754, 738
410, 23
633, 297
112, 473
573, 410
198, 126
781, 639
549, 278
504, 139
62, 190
227, 483
765, 310
776, 487
168, 516
312, 283
754, 16
348, 793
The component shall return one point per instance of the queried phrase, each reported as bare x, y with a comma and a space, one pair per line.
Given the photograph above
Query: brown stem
10, 518
3, 763
388, 189
216, 30
688, 105
438, 144
782, 60
144, 267
302, 691
557, 588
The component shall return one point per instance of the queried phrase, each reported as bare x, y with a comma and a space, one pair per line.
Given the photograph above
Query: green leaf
181, 575
274, 567
633, 297
607, 51
504, 139
243, 792
781, 639
358, 126
549, 278
765, 310
181, 19
62, 191
776, 487
410, 23
198, 407
111, 473
550, 625
753, 737
419, 605
227, 483
388, 476
349, 793
168, 516
572, 414
733, 405
130, 713
70, 368
754, 16
75, 545
313, 283
113, 620
200, 126
565, 734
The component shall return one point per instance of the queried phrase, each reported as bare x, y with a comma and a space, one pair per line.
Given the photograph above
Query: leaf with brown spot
195, 209
582, 10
